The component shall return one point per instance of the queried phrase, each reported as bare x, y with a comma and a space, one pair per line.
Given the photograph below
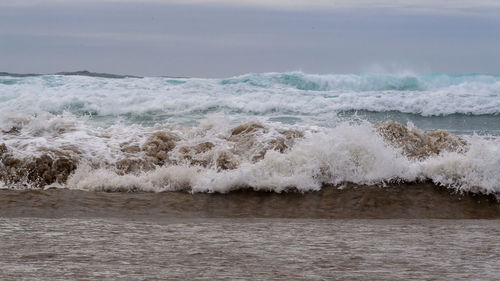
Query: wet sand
403, 201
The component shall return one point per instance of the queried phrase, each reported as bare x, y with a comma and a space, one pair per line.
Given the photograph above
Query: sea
267, 176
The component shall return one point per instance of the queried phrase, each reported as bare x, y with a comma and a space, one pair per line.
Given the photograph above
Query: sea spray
258, 156
269, 131
304, 98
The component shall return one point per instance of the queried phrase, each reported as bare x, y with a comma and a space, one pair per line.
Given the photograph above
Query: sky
221, 38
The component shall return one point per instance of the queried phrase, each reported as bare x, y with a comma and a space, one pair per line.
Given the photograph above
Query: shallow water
260, 176
264, 249
403, 201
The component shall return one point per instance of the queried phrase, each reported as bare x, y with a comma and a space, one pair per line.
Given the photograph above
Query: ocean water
270, 131
249, 249
272, 176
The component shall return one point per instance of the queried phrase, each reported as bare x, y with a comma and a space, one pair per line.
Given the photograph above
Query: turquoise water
465, 103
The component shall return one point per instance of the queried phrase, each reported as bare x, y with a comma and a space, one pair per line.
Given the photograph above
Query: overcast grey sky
219, 38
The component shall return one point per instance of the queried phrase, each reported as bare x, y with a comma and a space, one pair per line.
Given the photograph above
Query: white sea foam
344, 154
262, 157
131, 134
297, 94
478, 169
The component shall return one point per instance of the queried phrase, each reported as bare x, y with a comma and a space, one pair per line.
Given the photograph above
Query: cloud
429, 5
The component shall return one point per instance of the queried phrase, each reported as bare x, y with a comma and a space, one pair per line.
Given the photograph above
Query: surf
217, 156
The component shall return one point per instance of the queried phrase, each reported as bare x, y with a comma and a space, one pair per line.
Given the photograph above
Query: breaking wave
306, 97
365, 82
271, 131
216, 156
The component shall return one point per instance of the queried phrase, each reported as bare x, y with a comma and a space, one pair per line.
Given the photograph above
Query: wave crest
153, 100
218, 157
364, 82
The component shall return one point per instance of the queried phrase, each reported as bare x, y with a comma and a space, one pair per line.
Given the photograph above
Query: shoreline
395, 201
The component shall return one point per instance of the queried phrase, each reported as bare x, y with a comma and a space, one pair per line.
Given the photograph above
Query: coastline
395, 201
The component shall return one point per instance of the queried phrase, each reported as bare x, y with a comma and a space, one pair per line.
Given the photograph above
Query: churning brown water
350, 202
61, 234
